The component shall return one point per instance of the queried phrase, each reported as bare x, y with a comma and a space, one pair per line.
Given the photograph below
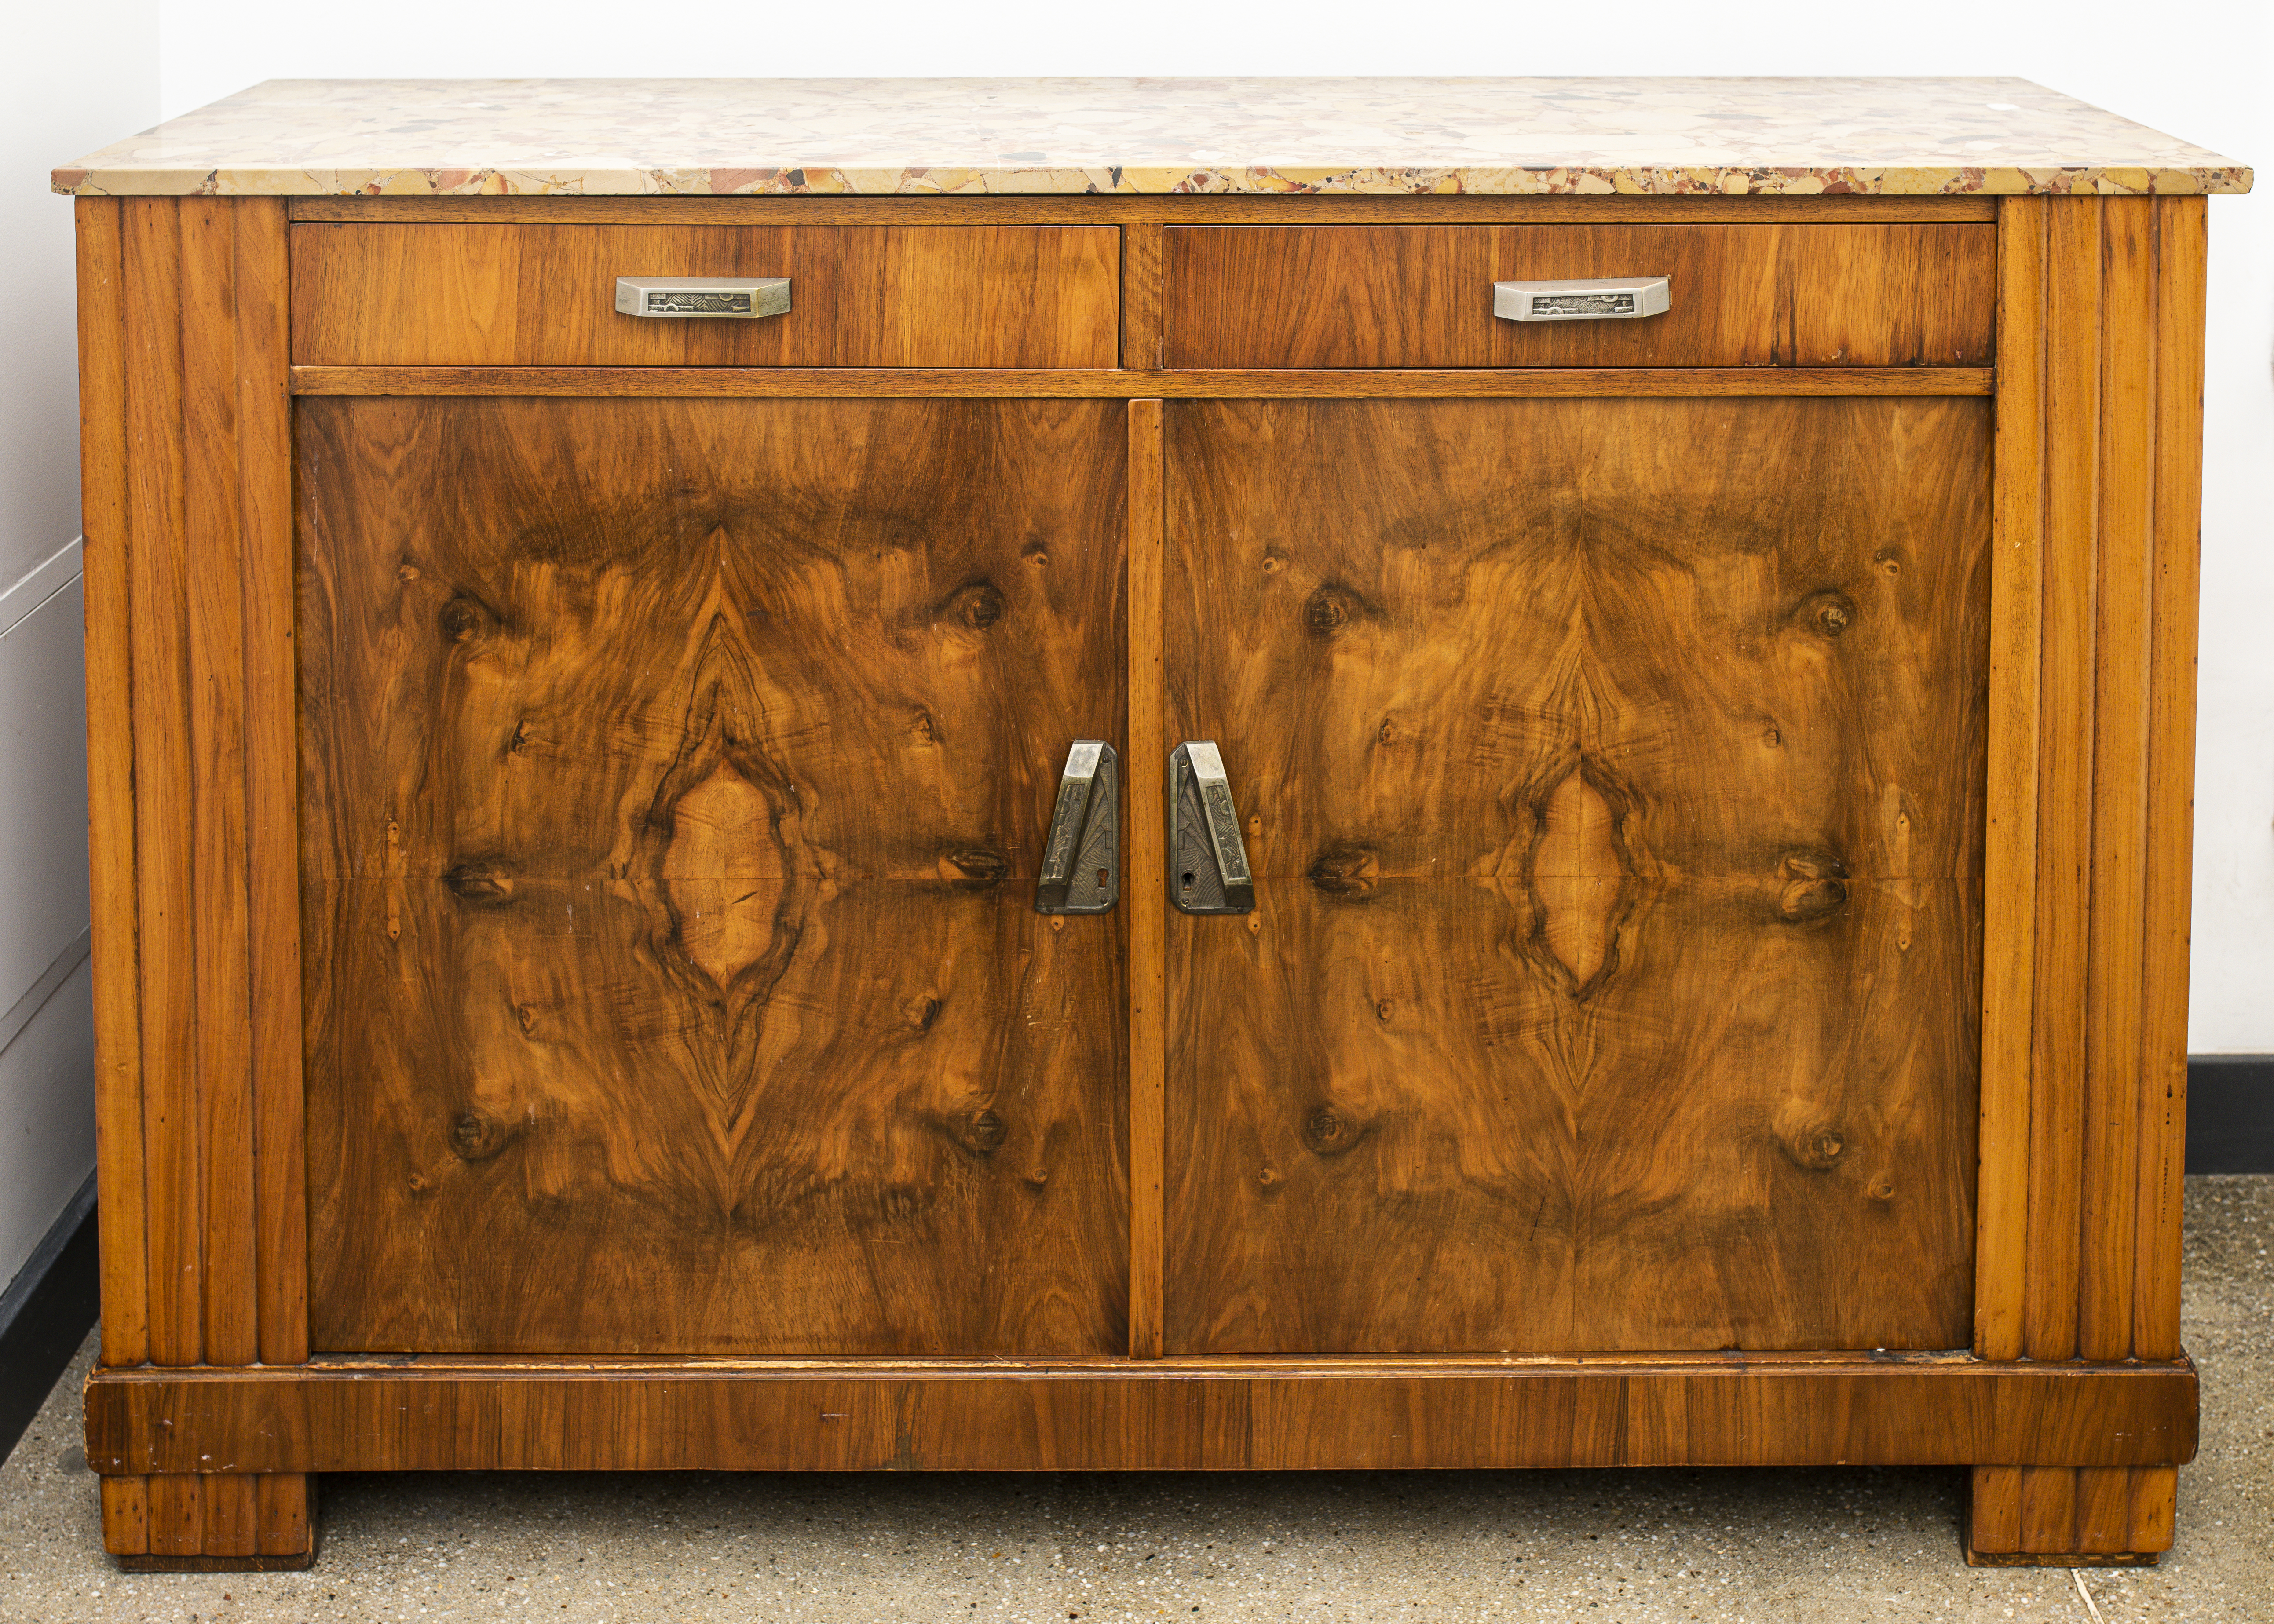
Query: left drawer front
860, 296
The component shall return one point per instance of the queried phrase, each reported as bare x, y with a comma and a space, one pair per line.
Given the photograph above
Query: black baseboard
45, 1312
2231, 1114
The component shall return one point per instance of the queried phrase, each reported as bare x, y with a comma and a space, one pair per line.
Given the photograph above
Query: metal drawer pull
1208, 862
702, 296
1081, 862
1608, 298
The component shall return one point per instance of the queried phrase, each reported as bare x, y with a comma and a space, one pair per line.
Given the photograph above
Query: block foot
2070, 1517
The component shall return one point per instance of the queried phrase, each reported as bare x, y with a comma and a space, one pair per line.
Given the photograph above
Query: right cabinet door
1613, 776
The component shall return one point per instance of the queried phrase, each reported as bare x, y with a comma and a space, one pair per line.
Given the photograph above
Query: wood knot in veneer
464, 618
1827, 613
976, 606
983, 1132
1349, 870
1817, 1147
1812, 884
1333, 611
974, 868
476, 1135
1328, 1133
480, 883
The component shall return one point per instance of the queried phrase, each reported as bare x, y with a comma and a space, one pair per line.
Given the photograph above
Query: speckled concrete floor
1853, 1546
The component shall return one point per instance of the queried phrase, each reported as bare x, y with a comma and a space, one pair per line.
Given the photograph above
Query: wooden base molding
1174, 1414
2061, 1516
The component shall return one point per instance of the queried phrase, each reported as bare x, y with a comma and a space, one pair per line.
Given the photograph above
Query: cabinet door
1613, 771
675, 775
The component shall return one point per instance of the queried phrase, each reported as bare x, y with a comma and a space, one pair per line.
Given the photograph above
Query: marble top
905, 137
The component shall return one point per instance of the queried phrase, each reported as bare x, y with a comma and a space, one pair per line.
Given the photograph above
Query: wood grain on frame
191, 669
106, 519
1717, 1410
2084, 1093
1144, 885
861, 383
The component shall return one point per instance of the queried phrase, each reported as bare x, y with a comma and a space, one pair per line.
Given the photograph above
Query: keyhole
1188, 882
1101, 879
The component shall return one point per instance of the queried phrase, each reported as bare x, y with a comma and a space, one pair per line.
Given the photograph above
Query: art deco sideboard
1141, 774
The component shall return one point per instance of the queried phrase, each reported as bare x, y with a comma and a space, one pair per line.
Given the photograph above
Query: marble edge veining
901, 138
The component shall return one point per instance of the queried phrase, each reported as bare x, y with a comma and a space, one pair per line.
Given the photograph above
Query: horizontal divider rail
1123, 384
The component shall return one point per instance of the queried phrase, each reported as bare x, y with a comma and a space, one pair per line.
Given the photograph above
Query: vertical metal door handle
1603, 298
702, 295
1081, 860
1208, 861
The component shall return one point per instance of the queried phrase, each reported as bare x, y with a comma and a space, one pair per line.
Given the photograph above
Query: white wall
62, 89
2203, 74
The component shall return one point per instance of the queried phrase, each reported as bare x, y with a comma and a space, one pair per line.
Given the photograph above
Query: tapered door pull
1603, 298
702, 295
1208, 861
1081, 860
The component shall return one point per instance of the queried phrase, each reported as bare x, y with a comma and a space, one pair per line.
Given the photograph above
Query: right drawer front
1897, 295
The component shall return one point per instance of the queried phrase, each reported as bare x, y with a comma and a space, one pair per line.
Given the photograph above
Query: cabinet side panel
2065, 805
2010, 849
2086, 953
2175, 579
2121, 672
213, 627
103, 505
188, 459
272, 831
158, 597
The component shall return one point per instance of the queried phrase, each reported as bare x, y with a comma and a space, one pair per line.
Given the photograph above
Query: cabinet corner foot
2070, 1517
210, 1522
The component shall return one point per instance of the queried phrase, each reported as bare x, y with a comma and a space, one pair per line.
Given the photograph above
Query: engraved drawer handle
1608, 298
1081, 862
702, 295
1208, 861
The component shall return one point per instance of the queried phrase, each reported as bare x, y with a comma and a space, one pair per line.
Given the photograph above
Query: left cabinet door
675, 776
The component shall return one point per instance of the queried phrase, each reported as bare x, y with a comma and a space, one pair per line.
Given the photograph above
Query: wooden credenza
569, 792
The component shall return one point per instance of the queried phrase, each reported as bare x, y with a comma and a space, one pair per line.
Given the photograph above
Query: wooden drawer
860, 296
1897, 295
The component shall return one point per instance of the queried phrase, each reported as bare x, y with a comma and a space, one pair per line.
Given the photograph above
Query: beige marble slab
913, 136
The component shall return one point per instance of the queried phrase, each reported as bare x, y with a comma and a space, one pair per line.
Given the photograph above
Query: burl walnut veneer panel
1613, 771
676, 777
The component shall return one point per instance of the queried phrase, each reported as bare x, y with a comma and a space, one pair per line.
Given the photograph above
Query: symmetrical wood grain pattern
676, 776
1646, 776
191, 823
1143, 1414
1422, 295
1613, 776
863, 383
2084, 1093
860, 296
